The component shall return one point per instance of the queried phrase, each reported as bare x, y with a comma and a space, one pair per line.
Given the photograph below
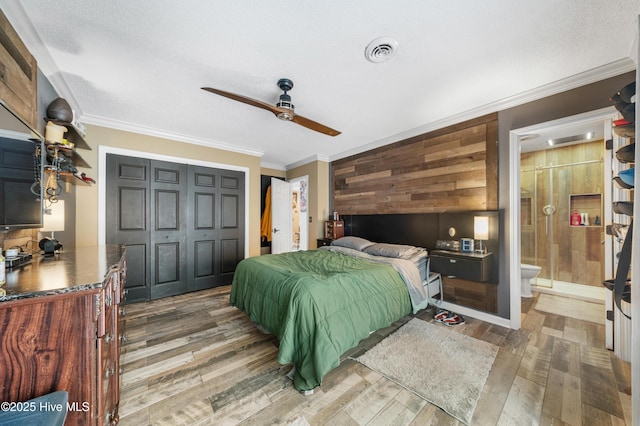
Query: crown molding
273, 166
592, 76
311, 159
148, 131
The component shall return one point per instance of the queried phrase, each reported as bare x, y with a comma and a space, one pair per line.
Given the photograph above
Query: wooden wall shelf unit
69, 177
71, 154
74, 136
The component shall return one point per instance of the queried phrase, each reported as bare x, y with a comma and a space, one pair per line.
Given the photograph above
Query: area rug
573, 308
437, 363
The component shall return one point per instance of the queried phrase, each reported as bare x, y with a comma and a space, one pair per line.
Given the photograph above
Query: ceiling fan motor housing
285, 101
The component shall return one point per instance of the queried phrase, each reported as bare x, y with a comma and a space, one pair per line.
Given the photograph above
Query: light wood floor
194, 360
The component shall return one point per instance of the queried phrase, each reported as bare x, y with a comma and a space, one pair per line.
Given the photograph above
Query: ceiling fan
284, 109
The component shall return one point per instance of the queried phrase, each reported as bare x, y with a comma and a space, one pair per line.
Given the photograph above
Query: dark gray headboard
423, 229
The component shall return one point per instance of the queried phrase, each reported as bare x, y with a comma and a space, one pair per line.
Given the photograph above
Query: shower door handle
546, 225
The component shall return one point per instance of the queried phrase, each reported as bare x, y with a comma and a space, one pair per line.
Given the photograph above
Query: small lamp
53, 221
481, 230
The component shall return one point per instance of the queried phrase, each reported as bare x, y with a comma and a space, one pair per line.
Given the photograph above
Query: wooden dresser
62, 329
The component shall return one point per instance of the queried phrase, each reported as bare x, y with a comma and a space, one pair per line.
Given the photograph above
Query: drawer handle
453, 261
123, 311
108, 338
108, 372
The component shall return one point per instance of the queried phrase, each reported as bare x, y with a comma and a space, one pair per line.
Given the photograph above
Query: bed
320, 303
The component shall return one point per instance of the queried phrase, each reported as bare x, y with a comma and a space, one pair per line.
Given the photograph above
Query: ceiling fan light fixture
288, 108
285, 115
381, 49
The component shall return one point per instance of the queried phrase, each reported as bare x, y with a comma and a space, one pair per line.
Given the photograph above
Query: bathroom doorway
556, 182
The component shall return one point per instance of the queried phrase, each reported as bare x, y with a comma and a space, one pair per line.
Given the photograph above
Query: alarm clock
466, 245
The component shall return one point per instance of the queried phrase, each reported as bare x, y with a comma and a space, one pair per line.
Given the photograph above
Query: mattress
419, 259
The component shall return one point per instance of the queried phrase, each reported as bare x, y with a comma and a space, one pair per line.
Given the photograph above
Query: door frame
103, 150
515, 136
304, 216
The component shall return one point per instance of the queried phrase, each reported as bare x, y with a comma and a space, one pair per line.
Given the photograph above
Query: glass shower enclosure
561, 214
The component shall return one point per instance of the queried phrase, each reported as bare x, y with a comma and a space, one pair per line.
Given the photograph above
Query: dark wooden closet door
183, 225
127, 219
169, 229
202, 230
231, 224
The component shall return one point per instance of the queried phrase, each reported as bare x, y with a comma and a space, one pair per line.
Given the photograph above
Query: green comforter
319, 304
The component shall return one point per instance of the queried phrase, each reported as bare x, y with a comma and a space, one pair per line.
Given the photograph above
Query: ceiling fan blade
314, 125
243, 99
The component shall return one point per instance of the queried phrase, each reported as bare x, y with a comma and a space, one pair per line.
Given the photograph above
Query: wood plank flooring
194, 360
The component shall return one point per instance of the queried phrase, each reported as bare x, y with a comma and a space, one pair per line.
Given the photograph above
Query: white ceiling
139, 65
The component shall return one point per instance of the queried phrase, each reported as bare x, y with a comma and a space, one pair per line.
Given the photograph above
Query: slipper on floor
441, 315
454, 319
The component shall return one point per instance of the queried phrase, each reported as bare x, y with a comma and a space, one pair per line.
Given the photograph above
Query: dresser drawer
465, 267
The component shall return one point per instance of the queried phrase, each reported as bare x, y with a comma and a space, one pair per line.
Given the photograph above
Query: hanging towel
265, 225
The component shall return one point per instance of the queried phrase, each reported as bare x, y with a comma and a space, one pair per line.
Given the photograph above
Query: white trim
465, 311
310, 159
103, 150
273, 166
603, 114
513, 247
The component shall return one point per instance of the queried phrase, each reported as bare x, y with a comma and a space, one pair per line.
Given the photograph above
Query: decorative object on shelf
53, 221
86, 178
60, 111
37, 166
52, 185
481, 230
584, 219
54, 133
576, 219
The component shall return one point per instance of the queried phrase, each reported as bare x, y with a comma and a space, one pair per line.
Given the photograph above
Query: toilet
527, 273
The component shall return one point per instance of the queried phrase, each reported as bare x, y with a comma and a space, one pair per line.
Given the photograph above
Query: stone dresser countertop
82, 269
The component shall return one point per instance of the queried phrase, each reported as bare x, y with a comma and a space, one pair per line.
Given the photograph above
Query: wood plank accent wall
451, 169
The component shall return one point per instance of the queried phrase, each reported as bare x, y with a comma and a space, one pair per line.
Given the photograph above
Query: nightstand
320, 242
466, 279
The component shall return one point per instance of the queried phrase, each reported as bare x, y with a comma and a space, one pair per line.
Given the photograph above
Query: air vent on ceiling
381, 49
